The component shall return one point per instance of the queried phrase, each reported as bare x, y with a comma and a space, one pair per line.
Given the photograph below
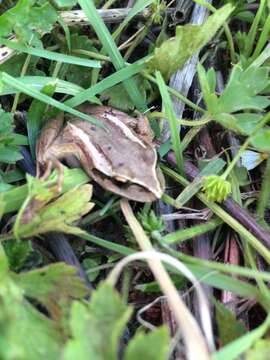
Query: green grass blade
112, 50
234, 349
212, 168
189, 233
106, 244
7, 79
50, 55
106, 83
174, 126
251, 36
38, 82
35, 118
138, 7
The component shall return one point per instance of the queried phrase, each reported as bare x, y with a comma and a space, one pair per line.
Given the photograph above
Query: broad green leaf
261, 141
246, 122
97, 326
152, 346
9, 154
6, 125
229, 328
189, 39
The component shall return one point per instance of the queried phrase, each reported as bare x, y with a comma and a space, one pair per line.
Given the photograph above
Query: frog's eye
251, 159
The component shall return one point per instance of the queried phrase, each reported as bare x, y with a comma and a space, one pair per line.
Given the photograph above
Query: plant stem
265, 192
203, 121
175, 93
185, 320
230, 43
263, 39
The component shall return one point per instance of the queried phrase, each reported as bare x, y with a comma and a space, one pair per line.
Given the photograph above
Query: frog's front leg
47, 137
144, 130
54, 144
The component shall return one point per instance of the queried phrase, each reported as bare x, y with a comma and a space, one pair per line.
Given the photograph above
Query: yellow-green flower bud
216, 188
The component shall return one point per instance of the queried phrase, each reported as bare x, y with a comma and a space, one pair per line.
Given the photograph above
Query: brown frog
120, 156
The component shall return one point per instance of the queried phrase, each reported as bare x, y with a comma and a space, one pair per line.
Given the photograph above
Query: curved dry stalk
168, 259
189, 327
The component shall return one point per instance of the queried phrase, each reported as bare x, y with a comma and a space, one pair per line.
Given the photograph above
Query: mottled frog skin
120, 156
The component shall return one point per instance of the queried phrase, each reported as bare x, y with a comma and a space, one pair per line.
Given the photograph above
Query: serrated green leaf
51, 285
242, 93
57, 215
17, 253
78, 74
242, 90
14, 198
189, 39
152, 346
28, 21
25, 333
97, 327
119, 98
